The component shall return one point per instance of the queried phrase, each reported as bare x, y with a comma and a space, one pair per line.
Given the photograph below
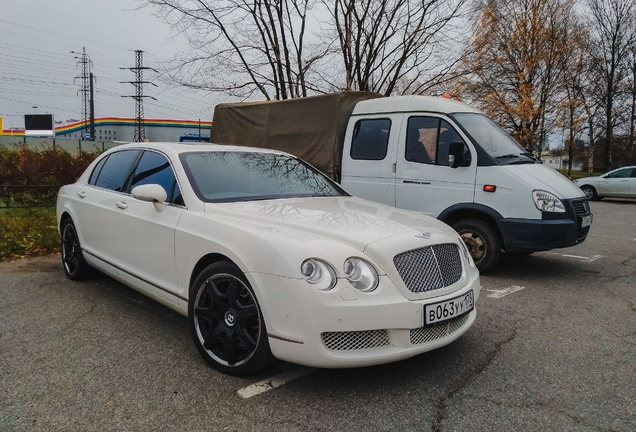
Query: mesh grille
427, 334
429, 268
355, 340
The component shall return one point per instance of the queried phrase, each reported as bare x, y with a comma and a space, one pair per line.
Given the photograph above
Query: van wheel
482, 241
226, 321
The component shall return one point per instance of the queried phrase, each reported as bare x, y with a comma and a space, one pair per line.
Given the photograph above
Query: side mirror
150, 192
455, 154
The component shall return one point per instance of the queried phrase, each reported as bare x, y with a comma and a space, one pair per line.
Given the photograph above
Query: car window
96, 171
633, 172
244, 176
370, 139
624, 173
154, 168
116, 169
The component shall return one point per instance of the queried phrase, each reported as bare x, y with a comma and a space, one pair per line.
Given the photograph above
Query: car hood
541, 177
353, 221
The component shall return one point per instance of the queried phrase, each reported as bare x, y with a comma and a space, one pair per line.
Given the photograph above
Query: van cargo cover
312, 128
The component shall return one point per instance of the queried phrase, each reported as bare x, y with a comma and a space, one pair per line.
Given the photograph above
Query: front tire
590, 193
75, 266
482, 241
226, 321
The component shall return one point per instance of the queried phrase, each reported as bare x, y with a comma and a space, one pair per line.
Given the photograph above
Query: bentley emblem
424, 235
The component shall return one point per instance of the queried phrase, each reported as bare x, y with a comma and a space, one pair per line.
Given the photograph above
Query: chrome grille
355, 340
428, 334
429, 268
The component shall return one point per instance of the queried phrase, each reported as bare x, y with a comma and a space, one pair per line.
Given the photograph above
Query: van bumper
555, 230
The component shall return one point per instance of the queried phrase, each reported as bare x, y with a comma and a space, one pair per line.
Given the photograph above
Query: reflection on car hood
350, 220
539, 176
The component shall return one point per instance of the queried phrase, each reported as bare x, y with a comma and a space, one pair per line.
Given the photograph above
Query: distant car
618, 183
267, 256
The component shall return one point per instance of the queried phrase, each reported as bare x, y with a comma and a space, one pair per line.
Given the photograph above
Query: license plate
435, 313
586, 221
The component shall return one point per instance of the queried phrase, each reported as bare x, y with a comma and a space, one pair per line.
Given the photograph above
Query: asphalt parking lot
553, 349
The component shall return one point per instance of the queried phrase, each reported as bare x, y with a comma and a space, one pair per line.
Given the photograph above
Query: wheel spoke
214, 338
246, 338
215, 293
208, 313
231, 355
247, 312
233, 289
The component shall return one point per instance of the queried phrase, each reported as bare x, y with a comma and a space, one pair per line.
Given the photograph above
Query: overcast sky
37, 68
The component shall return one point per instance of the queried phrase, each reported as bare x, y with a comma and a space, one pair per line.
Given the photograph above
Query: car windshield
245, 176
494, 140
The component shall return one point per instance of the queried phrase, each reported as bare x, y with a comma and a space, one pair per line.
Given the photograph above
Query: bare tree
242, 47
612, 33
404, 46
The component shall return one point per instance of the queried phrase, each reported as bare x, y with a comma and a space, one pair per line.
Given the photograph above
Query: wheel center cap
230, 318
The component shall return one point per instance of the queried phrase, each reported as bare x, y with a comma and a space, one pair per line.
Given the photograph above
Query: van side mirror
455, 154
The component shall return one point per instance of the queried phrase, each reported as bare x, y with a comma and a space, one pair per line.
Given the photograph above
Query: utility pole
140, 132
86, 79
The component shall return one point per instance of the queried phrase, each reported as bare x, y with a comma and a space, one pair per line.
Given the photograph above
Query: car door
424, 181
368, 159
96, 209
144, 232
617, 183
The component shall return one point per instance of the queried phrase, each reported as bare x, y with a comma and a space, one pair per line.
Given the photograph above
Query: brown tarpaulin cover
311, 128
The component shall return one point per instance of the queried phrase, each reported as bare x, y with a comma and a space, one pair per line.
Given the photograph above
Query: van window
370, 139
428, 140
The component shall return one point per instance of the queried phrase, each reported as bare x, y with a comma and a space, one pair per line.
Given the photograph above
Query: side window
155, 168
447, 135
370, 139
633, 172
621, 174
421, 140
96, 171
116, 169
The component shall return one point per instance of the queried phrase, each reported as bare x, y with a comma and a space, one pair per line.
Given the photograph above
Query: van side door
368, 157
424, 180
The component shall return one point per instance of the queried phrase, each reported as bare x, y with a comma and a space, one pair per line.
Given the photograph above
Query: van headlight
547, 201
360, 274
319, 274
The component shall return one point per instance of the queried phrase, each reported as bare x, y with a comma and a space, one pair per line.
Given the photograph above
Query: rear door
368, 159
424, 181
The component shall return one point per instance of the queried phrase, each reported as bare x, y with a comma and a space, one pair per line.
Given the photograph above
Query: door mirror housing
456, 154
150, 192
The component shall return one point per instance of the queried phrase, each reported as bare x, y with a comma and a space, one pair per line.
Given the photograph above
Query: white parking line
582, 258
274, 382
504, 292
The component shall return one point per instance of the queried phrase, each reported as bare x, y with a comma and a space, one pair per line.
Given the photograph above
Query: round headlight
360, 274
319, 274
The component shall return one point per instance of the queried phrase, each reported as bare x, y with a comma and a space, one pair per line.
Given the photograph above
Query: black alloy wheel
226, 322
75, 266
482, 242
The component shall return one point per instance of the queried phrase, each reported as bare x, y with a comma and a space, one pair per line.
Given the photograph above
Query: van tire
482, 241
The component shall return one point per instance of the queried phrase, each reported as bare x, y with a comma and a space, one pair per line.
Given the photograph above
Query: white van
433, 155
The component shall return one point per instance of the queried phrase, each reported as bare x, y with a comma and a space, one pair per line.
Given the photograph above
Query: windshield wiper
509, 155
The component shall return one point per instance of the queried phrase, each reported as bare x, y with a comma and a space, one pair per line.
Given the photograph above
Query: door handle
81, 194
121, 205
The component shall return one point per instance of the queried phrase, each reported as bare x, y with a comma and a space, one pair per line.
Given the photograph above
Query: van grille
581, 207
429, 268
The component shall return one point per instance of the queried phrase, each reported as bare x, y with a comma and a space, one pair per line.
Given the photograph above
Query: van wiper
509, 155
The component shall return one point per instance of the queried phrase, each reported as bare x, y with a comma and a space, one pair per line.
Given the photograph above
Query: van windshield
492, 139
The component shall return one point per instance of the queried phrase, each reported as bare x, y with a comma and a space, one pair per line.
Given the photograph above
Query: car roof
174, 149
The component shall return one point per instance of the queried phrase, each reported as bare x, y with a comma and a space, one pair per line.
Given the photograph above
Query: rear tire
226, 321
75, 266
482, 241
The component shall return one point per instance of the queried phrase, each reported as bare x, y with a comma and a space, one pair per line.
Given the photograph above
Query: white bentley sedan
267, 257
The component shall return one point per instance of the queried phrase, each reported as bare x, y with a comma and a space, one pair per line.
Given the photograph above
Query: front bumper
555, 230
346, 328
